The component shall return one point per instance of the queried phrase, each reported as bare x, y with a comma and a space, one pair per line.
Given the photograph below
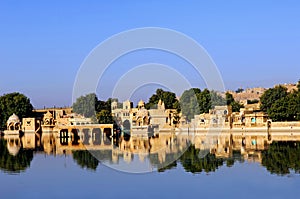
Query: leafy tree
189, 103
204, 100
234, 104
103, 110
85, 159
177, 106
86, 105
14, 103
90, 106
194, 102
281, 105
270, 96
167, 97
104, 117
216, 99
286, 108
239, 90
104, 105
297, 110
14, 164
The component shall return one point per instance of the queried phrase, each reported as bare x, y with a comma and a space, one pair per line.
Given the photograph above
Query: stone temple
139, 119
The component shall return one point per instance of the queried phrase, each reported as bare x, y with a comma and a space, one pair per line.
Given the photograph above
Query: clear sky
43, 43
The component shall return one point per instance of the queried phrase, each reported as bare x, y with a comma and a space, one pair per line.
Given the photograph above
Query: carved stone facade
133, 118
217, 117
222, 116
48, 119
13, 123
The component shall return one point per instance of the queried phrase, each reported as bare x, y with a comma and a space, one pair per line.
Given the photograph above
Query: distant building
13, 125
290, 87
217, 117
222, 116
130, 118
248, 94
250, 116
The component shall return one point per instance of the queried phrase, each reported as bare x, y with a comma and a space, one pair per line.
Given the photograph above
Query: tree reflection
191, 162
14, 164
282, 157
85, 159
165, 162
173, 165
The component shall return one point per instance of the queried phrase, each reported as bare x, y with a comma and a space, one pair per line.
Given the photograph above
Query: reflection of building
26, 141
60, 123
13, 144
158, 151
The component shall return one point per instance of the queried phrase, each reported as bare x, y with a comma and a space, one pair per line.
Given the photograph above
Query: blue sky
43, 43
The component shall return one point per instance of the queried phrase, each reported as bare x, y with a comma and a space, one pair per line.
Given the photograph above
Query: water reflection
280, 156
13, 157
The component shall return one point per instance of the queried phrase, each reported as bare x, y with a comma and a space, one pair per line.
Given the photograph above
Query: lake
164, 166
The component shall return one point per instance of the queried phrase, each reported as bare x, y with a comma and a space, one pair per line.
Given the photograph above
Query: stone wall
285, 124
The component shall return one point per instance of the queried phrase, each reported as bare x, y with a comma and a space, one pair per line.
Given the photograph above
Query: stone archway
96, 136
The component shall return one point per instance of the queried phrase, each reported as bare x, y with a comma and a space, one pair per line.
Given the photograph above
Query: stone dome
48, 115
141, 103
13, 119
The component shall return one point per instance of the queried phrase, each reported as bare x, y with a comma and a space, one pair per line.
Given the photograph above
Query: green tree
104, 105
189, 103
104, 117
103, 109
234, 104
167, 97
286, 108
239, 90
86, 105
270, 96
281, 105
298, 105
204, 100
216, 99
14, 103
194, 101
90, 106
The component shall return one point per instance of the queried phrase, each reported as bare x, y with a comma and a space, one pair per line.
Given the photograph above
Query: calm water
48, 167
